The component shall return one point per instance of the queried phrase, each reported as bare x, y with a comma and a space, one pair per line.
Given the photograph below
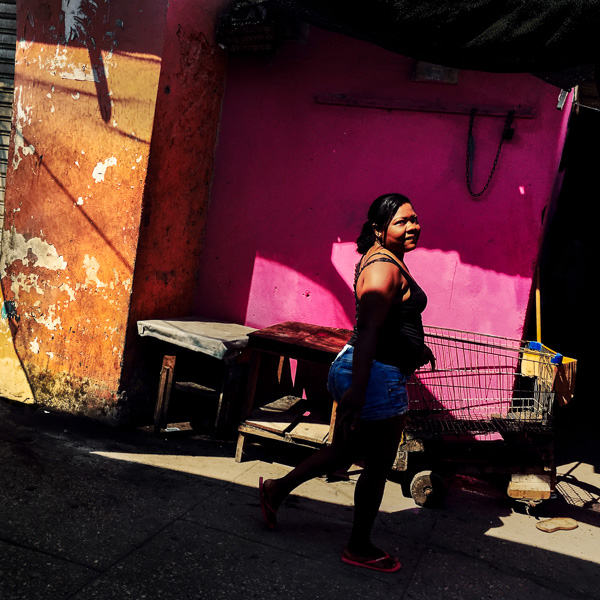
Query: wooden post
164, 392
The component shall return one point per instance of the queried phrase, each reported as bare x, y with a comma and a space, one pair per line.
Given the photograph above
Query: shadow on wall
86, 219
93, 26
294, 179
569, 270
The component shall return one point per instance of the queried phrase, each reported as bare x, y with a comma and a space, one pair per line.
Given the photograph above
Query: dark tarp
555, 39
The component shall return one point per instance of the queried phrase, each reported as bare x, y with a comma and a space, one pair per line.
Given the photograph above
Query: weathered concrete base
82, 396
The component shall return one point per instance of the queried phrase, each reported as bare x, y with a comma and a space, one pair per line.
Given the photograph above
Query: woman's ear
378, 235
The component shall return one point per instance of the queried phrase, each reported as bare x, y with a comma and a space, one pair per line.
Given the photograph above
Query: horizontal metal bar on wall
523, 112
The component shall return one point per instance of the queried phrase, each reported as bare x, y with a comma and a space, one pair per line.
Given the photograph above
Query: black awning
555, 39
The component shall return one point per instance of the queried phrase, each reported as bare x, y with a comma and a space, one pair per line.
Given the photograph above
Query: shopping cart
490, 389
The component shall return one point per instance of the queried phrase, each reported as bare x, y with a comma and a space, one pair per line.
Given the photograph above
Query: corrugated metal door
8, 40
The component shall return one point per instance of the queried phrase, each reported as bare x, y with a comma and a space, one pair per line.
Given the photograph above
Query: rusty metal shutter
8, 41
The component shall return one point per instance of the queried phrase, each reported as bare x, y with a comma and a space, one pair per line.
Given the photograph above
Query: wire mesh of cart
485, 384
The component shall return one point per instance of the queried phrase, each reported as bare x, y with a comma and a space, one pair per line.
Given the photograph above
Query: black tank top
401, 339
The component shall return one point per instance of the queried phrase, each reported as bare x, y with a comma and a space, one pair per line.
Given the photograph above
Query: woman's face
403, 231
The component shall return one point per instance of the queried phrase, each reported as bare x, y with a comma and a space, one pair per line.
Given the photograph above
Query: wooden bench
224, 342
296, 410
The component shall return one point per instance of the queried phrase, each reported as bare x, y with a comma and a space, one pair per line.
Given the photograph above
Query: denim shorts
386, 390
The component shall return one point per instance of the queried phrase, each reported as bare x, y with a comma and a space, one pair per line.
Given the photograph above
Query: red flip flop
269, 515
372, 564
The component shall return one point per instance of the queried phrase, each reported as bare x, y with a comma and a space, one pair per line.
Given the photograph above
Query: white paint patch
80, 73
25, 44
26, 283
51, 321
16, 247
22, 119
20, 145
100, 169
79, 200
75, 96
34, 346
58, 61
64, 287
92, 266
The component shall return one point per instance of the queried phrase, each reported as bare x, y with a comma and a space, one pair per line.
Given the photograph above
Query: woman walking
367, 379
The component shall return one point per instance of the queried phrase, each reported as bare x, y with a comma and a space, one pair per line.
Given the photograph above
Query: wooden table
278, 406
224, 342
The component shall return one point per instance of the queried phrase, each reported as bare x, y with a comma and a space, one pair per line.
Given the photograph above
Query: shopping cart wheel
427, 489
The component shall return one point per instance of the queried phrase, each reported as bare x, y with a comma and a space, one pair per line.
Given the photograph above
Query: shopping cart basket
486, 387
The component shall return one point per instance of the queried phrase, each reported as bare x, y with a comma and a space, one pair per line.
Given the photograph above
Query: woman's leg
379, 445
329, 458
326, 460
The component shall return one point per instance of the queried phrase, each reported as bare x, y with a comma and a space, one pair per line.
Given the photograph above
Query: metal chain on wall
507, 134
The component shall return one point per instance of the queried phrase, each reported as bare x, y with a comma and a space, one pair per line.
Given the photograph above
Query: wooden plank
195, 388
310, 432
530, 486
302, 341
314, 425
246, 430
278, 416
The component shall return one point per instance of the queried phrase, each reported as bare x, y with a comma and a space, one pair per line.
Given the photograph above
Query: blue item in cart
557, 359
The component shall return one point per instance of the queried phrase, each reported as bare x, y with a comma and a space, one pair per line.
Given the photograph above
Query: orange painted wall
115, 122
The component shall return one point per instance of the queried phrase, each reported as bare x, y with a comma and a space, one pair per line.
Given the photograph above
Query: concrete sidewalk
88, 512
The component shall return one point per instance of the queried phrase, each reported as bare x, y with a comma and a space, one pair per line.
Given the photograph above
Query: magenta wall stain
293, 181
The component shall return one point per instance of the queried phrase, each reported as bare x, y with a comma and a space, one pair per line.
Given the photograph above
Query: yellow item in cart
556, 371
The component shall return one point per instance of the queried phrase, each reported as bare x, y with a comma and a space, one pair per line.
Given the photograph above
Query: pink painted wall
293, 181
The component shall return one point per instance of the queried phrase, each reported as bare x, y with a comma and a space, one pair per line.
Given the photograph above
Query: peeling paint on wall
92, 266
22, 118
21, 282
87, 81
31, 252
64, 287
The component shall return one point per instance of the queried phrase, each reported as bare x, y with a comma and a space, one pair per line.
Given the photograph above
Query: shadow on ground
90, 512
